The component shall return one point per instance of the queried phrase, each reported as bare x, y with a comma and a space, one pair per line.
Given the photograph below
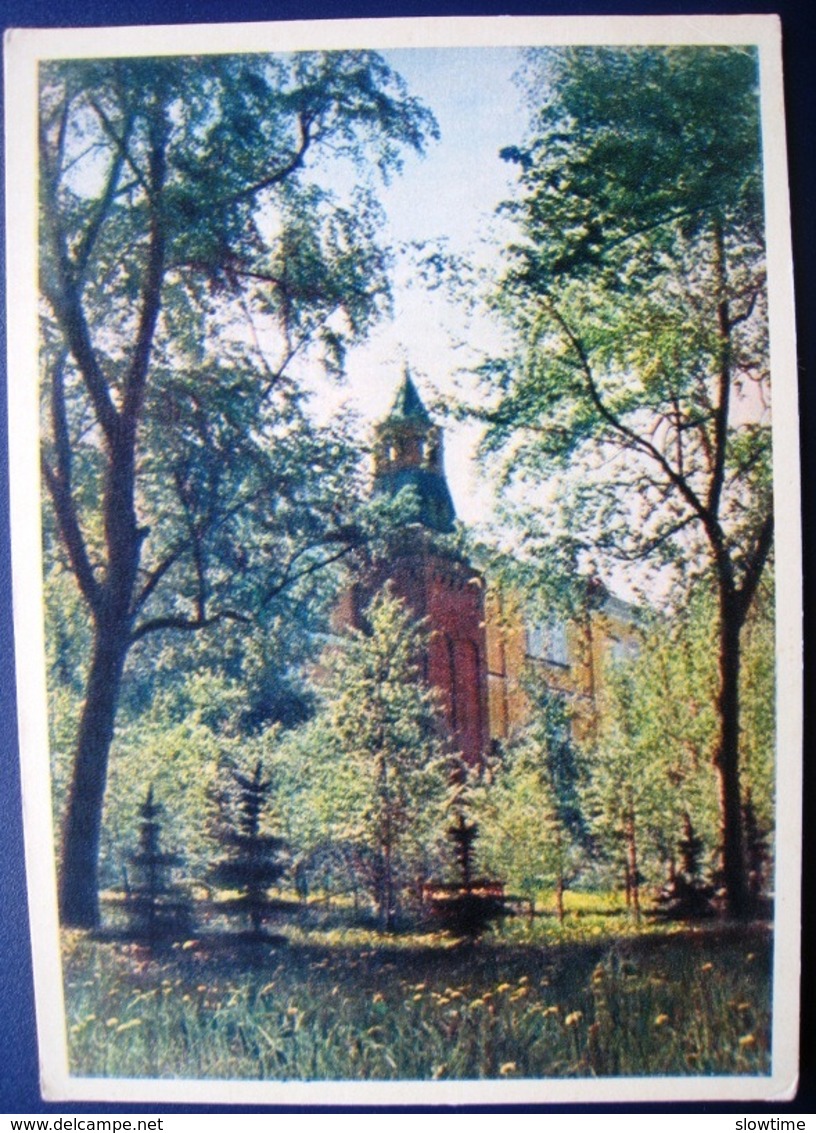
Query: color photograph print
406, 560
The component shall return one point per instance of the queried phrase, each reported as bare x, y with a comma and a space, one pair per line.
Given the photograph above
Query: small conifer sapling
156, 910
254, 861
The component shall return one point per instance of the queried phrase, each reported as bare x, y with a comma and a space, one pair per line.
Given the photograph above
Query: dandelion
552, 1010
131, 1023
709, 967
743, 1007
188, 944
440, 1070
477, 1003
573, 1018
507, 1068
112, 1021
377, 997
524, 979
443, 1000
201, 987
292, 1010
417, 996
747, 1040
503, 987
660, 1020
420, 987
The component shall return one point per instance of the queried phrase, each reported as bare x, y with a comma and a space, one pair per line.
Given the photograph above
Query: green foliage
198, 278
181, 743
157, 912
371, 772
254, 860
658, 733
471, 904
529, 806
637, 394
640, 215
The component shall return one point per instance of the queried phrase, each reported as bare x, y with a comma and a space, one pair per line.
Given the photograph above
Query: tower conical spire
408, 404
408, 453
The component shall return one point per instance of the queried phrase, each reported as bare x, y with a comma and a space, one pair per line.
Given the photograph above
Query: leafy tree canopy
197, 268
637, 398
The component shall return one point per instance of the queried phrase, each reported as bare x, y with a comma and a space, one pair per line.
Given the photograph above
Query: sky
451, 193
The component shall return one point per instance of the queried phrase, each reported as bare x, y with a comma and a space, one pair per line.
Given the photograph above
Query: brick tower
436, 581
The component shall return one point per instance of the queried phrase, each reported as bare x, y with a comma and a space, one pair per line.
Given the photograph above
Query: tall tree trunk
632, 876
726, 760
559, 897
79, 874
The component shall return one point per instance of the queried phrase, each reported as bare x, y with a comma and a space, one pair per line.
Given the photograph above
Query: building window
548, 642
623, 649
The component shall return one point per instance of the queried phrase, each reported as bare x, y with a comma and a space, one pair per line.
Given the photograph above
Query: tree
186, 225
631, 800
255, 861
374, 769
155, 909
637, 289
687, 894
533, 830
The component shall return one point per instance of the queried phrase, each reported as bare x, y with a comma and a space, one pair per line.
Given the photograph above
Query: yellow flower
189, 944
573, 1018
443, 1000
660, 1020
417, 996
129, 1025
377, 997
707, 968
112, 1021
747, 1040
502, 987
552, 1010
507, 1068
477, 1003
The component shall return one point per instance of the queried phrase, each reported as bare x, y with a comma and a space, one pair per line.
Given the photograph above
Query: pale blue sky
452, 193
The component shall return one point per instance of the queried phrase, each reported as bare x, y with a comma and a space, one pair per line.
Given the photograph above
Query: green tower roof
408, 404
415, 464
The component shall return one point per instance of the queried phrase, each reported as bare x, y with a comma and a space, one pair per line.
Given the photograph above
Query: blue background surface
19, 1087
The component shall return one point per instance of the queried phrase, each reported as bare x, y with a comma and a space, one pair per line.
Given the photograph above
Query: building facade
483, 645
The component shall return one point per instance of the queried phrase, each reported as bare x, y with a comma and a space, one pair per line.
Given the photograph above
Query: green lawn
533, 1001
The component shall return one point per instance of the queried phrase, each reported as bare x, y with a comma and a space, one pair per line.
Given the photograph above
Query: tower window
547, 641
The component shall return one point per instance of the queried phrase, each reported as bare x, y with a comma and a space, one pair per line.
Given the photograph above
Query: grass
337, 1005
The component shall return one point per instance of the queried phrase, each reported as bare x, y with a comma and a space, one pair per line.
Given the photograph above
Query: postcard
405, 524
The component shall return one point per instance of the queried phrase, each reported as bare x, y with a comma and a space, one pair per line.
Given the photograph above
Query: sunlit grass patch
420, 1008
